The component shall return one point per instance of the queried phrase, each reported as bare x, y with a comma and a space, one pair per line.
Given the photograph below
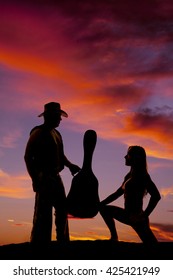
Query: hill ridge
87, 250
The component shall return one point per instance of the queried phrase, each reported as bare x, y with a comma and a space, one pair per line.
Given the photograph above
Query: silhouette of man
45, 159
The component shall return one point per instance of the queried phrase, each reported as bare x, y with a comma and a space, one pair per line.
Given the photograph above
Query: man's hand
37, 182
74, 169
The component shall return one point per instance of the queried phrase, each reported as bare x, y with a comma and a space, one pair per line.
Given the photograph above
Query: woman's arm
113, 196
116, 194
154, 199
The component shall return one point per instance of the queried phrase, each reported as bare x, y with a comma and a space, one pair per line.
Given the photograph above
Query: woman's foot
114, 239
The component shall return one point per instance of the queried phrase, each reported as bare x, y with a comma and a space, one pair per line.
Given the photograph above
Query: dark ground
88, 250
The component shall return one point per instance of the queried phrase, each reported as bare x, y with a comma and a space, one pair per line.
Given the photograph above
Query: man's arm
29, 158
72, 167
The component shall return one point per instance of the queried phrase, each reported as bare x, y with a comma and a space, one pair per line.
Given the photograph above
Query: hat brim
63, 113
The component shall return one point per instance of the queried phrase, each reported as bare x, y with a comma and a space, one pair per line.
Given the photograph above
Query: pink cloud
9, 140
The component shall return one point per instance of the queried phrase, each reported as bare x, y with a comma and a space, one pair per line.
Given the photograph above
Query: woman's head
136, 157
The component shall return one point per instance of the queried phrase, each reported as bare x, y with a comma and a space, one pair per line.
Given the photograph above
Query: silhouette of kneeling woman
137, 183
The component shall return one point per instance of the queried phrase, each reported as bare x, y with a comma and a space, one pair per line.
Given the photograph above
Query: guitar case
83, 197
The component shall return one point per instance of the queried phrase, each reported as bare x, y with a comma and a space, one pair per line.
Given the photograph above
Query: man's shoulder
37, 129
56, 131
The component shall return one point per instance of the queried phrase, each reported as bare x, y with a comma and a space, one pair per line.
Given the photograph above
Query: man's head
52, 108
52, 114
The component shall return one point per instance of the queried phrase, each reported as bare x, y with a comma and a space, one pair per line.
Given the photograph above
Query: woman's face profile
128, 159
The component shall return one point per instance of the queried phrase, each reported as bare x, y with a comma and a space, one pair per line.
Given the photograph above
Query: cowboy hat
53, 107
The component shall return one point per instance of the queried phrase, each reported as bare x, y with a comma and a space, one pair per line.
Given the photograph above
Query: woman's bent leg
109, 213
107, 217
145, 233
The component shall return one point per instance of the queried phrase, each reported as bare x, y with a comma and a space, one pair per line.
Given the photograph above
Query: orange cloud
15, 186
167, 192
43, 67
87, 236
164, 232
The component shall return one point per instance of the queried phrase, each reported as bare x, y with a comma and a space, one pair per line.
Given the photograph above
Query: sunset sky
110, 65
